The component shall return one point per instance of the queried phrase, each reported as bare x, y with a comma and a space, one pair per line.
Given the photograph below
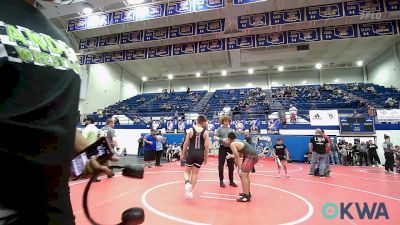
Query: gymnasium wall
345, 75
107, 84
385, 69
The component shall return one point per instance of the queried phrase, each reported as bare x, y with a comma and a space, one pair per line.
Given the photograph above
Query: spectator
317, 147
150, 146
397, 150
188, 89
343, 152
334, 155
90, 132
236, 112
226, 109
389, 150
373, 155
389, 103
116, 121
371, 111
140, 145
159, 149
293, 113
362, 148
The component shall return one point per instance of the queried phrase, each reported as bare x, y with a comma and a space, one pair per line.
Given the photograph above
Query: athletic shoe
110, 175
242, 194
221, 184
188, 190
373, 165
232, 184
380, 166
244, 198
287, 176
190, 195
387, 171
149, 167
97, 180
322, 176
278, 176
253, 170
310, 174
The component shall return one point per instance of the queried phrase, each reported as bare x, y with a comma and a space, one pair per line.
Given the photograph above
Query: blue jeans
334, 158
321, 160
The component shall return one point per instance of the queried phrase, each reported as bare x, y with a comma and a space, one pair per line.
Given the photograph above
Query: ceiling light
280, 68
250, 71
144, 78
360, 63
274, 84
198, 74
249, 84
205, 87
336, 80
304, 82
227, 85
318, 66
182, 88
160, 90
135, 2
223, 73
87, 10
170, 76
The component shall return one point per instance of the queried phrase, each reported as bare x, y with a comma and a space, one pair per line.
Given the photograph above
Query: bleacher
345, 97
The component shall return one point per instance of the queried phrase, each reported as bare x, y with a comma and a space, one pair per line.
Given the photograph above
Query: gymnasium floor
295, 200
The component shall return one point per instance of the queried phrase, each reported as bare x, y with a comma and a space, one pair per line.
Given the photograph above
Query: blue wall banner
242, 2
252, 21
241, 42
123, 16
358, 7
81, 59
271, 39
378, 29
156, 34
212, 45
339, 32
135, 54
114, 56
94, 58
108, 40
207, 27
324, 12
287, 16
202, 5
157, 52
184, 49
89, 43
146, 12
179, 7
89, 22
182, 30
301, 36
392, 5
131, 37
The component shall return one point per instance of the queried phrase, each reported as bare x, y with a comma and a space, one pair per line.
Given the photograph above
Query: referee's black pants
221, 162
389, 164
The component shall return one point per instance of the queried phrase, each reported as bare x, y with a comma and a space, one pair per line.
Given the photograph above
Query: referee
221, 135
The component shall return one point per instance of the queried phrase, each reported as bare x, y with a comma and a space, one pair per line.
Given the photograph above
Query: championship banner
157, 52
242, 2
359, 7
81, 59
211, 125
254, 126
339, 32
253, 21
171, 126
378, 29
241, 42
208, 27
301, 36
388, 115
274, 125
181, 126
135, 54
179, 7
146, 12
114, 56
182, 30
202, 5
108, 40
131, 37
212, 45
156, 34
123, 16
240, 126
324, 118
392, 5
287, 16
184, 49
324, 12
263, 40
89, 22
94, 58
155, 125
89, 43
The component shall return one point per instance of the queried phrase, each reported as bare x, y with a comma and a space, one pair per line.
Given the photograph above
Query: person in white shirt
90, 132
293, 113
226, 110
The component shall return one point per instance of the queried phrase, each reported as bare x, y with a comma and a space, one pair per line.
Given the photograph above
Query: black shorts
281, 157
149, 155
195, 158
